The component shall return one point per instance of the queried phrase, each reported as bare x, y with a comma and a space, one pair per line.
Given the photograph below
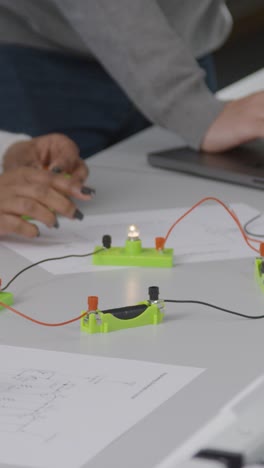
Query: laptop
242, 165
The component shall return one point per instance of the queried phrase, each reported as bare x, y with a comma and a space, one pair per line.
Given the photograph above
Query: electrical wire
39, 322
242, 229
250, 222
175, 301
207, 304
49, 260
229, 211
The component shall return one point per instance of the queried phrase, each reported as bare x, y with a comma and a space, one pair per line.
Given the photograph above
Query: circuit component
150, 312
6, 298
259, 267
133, 253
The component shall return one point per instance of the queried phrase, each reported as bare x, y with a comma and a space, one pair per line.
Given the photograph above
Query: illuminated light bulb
133, 232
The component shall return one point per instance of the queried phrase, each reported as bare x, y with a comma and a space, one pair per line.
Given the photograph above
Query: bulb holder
6, 298
134, 254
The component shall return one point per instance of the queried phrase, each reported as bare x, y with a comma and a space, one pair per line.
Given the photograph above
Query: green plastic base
7, 298
98, 322
259, 276
134, 255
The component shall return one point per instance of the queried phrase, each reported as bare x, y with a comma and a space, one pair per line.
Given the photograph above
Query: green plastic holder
258, 274
133, 254
7, 298
99, 322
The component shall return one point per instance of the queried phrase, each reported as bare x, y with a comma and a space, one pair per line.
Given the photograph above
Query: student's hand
56, 152
240, 122
38, 194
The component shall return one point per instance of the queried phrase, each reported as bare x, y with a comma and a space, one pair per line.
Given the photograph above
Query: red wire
38, 322
233, 215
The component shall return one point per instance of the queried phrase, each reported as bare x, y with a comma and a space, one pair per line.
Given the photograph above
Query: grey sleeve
135, 43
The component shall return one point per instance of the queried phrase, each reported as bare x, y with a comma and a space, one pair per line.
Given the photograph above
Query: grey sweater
148, 46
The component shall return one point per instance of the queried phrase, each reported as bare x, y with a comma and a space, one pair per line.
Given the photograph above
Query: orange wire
225, 207
38, 322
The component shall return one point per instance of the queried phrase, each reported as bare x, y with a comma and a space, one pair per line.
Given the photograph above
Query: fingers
11, 224
37, 194
72, 186
48, 197
80, 171
58, 152
23, 206
239, 122
55, 152
34, 183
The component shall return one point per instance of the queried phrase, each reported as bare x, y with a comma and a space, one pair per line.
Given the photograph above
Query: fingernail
78, 215
56, 224
56, 170
88, 190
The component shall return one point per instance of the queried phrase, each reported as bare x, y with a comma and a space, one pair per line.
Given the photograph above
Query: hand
35, 193
55, 152
240, 122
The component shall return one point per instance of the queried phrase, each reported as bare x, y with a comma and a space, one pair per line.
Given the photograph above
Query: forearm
137, 46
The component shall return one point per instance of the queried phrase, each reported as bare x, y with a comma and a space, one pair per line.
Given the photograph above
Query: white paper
207, 234
60, 409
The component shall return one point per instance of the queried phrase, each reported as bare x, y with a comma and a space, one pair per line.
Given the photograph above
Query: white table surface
231, 349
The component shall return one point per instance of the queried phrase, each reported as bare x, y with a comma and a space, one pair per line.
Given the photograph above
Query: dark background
243, 53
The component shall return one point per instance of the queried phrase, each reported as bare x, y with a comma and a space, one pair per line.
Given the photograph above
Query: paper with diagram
207, 234
60, 409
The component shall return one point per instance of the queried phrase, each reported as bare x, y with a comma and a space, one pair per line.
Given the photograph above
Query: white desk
231, 349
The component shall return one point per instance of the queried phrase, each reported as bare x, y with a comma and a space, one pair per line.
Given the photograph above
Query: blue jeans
43, 92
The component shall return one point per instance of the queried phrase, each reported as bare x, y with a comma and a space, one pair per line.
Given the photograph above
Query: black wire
245, 227
207, 304
49, 260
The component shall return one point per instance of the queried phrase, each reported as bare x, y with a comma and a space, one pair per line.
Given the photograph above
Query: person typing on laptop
99, 71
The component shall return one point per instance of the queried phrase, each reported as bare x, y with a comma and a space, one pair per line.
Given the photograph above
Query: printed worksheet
60, 409
207, 234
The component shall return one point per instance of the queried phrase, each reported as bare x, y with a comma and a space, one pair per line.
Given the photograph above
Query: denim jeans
43, 92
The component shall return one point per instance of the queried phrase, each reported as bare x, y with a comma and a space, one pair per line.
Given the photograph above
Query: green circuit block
133, 254
258, 273
99, 322
7, 298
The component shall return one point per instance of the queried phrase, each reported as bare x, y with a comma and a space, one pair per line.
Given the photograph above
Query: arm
135, 43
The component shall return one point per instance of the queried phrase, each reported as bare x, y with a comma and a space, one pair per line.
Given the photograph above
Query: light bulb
133, 232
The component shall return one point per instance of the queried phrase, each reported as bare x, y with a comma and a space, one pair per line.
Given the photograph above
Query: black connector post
153, 293
107, 241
